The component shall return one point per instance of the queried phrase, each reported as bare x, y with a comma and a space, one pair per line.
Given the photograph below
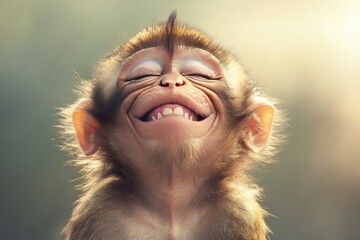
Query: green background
304, 53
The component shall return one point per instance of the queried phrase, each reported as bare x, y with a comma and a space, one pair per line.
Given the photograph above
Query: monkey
165, 134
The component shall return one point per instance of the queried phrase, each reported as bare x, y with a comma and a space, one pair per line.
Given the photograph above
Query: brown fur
109, 186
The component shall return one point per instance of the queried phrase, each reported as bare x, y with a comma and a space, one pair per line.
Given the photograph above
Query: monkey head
170, 94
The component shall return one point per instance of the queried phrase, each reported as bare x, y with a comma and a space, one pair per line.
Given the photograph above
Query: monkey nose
173, 80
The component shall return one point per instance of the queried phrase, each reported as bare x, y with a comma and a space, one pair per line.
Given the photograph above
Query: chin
183, 155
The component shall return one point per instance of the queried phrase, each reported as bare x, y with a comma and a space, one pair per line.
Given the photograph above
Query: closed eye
142, 77
203, 76
145, 69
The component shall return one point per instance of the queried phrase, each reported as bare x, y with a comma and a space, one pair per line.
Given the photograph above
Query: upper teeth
178, 111
168, 111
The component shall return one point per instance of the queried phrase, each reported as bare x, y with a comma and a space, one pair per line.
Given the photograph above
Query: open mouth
171, 110
169, 116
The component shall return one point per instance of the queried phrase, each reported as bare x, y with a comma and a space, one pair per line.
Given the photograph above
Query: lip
172, 129
199, 106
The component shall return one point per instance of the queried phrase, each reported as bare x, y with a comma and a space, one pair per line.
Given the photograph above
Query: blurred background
304, 53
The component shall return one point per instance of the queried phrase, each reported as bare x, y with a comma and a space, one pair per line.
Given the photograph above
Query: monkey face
156, 97
171, 97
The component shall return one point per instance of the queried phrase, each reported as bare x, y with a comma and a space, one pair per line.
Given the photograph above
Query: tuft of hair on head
170, 24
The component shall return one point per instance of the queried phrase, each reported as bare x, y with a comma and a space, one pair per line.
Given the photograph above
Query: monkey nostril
177, 82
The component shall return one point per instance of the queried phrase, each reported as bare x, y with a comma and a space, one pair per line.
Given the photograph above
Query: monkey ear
258, 125
86, 127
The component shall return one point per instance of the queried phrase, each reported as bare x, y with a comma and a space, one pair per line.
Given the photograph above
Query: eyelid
196, 66
202, 72
142, 76
218, 77
145, 69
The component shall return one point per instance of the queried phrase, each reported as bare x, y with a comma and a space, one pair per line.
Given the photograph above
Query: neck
173, 180
173, 193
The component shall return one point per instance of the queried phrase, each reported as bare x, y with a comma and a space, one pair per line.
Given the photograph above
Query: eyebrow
201, 51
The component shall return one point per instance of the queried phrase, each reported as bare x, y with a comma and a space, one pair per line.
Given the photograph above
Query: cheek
214, 92
144, 97
236, 79
125, 146
123, 123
